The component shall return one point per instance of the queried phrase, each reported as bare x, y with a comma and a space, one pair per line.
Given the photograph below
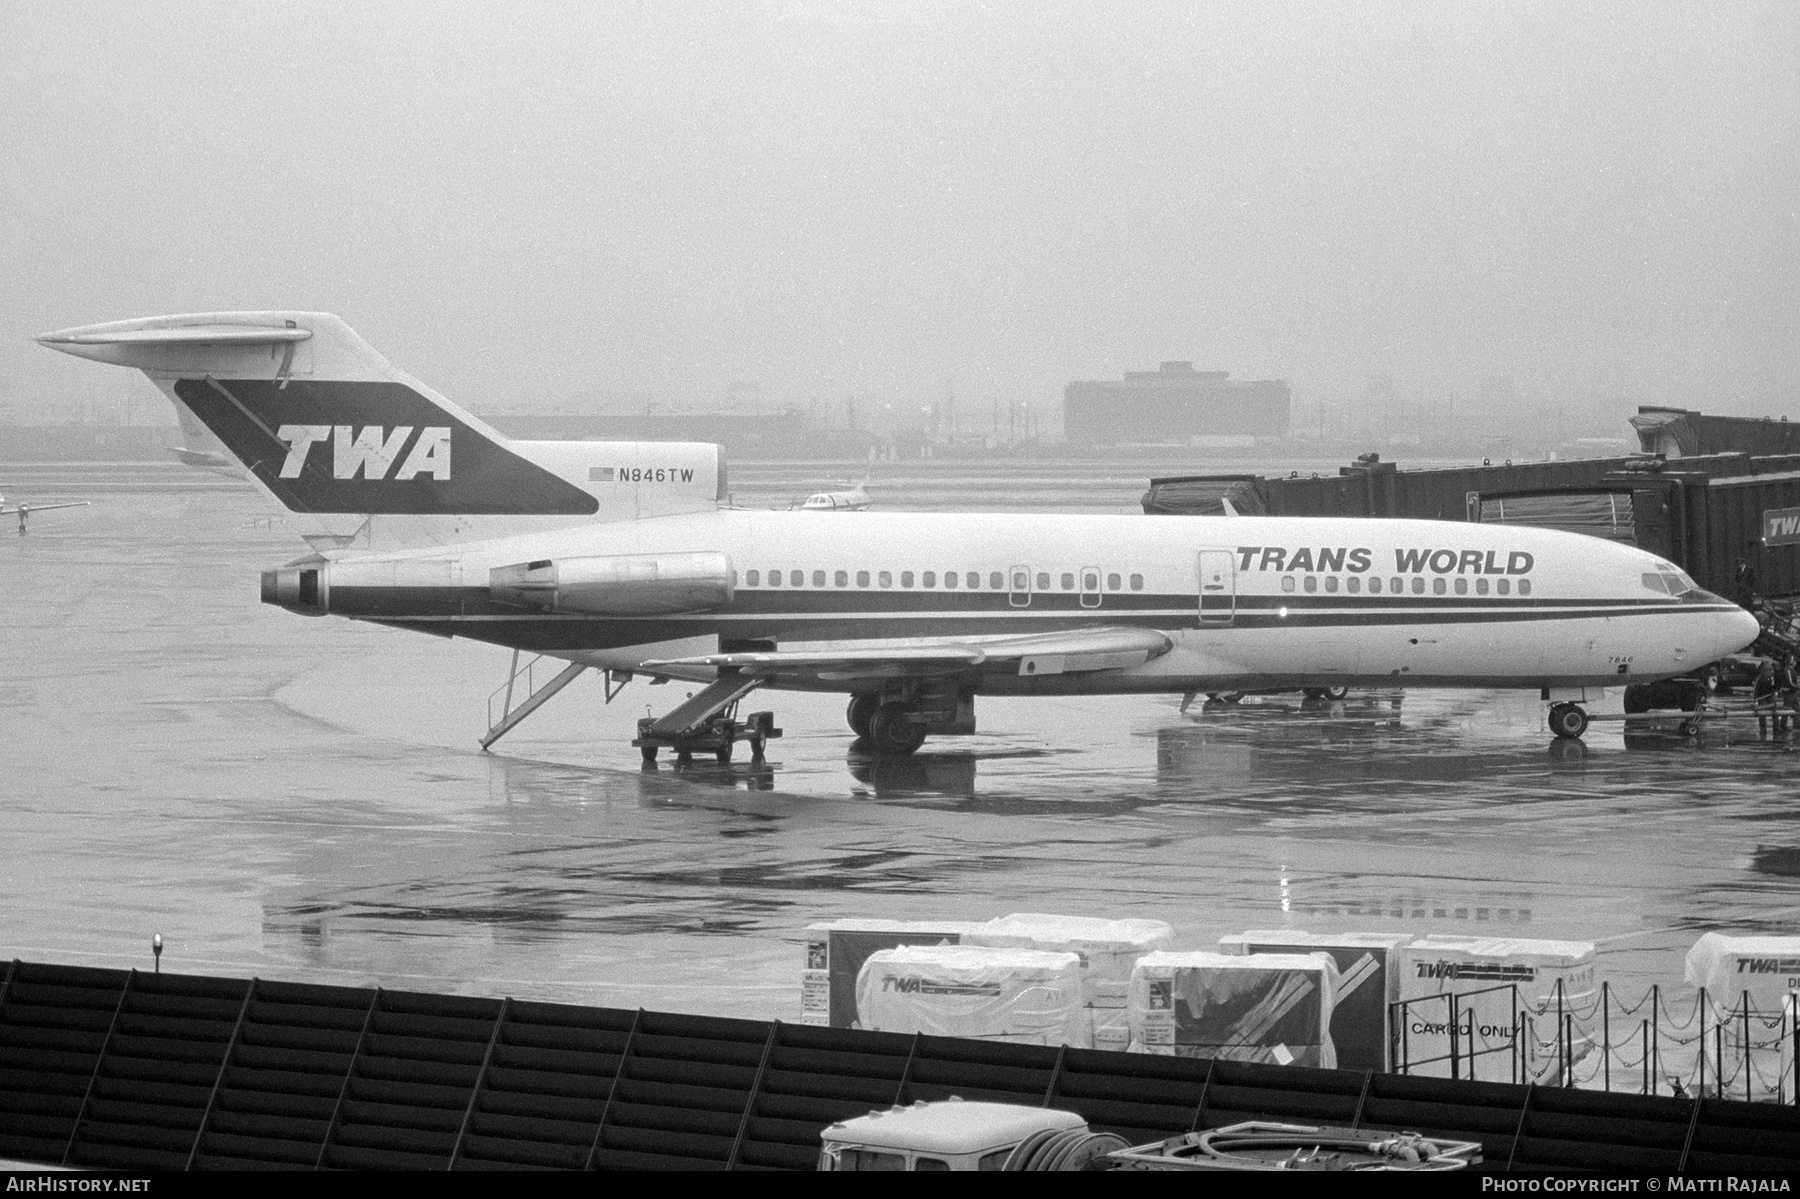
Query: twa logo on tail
371, 453
373, 447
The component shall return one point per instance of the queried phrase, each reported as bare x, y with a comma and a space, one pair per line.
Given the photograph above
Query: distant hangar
1176, 403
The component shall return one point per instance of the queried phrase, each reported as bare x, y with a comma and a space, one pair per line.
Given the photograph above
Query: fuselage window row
1397, 586
1090, 582
996, 581
951, 578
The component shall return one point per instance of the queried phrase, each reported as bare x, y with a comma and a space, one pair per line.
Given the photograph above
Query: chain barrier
1591, 1042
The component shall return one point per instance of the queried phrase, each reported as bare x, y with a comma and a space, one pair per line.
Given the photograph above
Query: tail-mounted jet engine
296, 586
617, 584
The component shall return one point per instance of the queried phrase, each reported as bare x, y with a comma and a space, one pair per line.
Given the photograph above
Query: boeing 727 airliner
619, 556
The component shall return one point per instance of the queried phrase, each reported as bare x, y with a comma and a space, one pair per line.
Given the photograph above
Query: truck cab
947, 1135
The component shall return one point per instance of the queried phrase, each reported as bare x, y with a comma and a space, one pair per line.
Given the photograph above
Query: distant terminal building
1175, 403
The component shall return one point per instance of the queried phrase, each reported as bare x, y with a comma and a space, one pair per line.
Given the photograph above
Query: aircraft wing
1071, 652
40, 507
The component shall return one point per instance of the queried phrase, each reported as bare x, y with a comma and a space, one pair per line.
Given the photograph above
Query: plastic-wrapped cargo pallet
1024, 996
837, 949
1108, 950
1368, 980
1763, 975
1486, 974
1266, 1007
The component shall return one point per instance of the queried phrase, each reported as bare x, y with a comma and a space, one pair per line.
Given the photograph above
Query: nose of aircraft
1736, 629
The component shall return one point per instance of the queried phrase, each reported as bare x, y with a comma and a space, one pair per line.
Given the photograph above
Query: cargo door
1218, 587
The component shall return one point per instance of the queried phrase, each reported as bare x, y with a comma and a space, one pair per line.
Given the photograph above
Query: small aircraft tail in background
22, 511
328, 428
854, 499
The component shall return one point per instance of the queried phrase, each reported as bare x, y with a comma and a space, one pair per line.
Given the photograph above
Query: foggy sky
529, 205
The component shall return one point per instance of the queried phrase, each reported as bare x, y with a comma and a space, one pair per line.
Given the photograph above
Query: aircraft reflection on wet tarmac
1229, 750
1381, 811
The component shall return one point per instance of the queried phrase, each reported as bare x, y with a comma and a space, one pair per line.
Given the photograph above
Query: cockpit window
1668, 580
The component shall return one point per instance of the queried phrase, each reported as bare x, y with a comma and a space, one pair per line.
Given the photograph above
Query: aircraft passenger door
1020, 593
1090, 586
1218, 587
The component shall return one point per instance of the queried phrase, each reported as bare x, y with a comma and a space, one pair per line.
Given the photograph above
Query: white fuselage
1246, 601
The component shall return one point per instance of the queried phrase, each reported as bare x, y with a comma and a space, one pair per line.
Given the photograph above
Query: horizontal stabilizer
30, 508
243, 335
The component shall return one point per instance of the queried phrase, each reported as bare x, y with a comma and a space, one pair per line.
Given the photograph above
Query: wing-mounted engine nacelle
617, 584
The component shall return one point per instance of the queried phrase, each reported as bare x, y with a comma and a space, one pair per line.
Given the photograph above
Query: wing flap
1071, 652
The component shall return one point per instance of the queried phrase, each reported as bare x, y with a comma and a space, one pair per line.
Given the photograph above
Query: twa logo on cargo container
1488, 971
1781, 526
910, 985
370, 453
1768, 966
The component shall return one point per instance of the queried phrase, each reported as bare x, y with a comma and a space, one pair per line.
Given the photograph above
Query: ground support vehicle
957, 1135
707, 724
954, 1135
715, 737
1258, 1146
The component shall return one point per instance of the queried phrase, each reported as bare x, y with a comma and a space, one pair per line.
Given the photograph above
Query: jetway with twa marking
1706, 513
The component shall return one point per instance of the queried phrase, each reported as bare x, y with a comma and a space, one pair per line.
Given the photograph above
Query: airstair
707, 723
521, 682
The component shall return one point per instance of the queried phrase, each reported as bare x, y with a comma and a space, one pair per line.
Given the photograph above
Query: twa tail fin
323, 422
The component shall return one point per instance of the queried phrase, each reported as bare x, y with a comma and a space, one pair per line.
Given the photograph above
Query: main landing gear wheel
723, 754
892, 731
649, 752
1334, 694
861, 708
1568, 720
